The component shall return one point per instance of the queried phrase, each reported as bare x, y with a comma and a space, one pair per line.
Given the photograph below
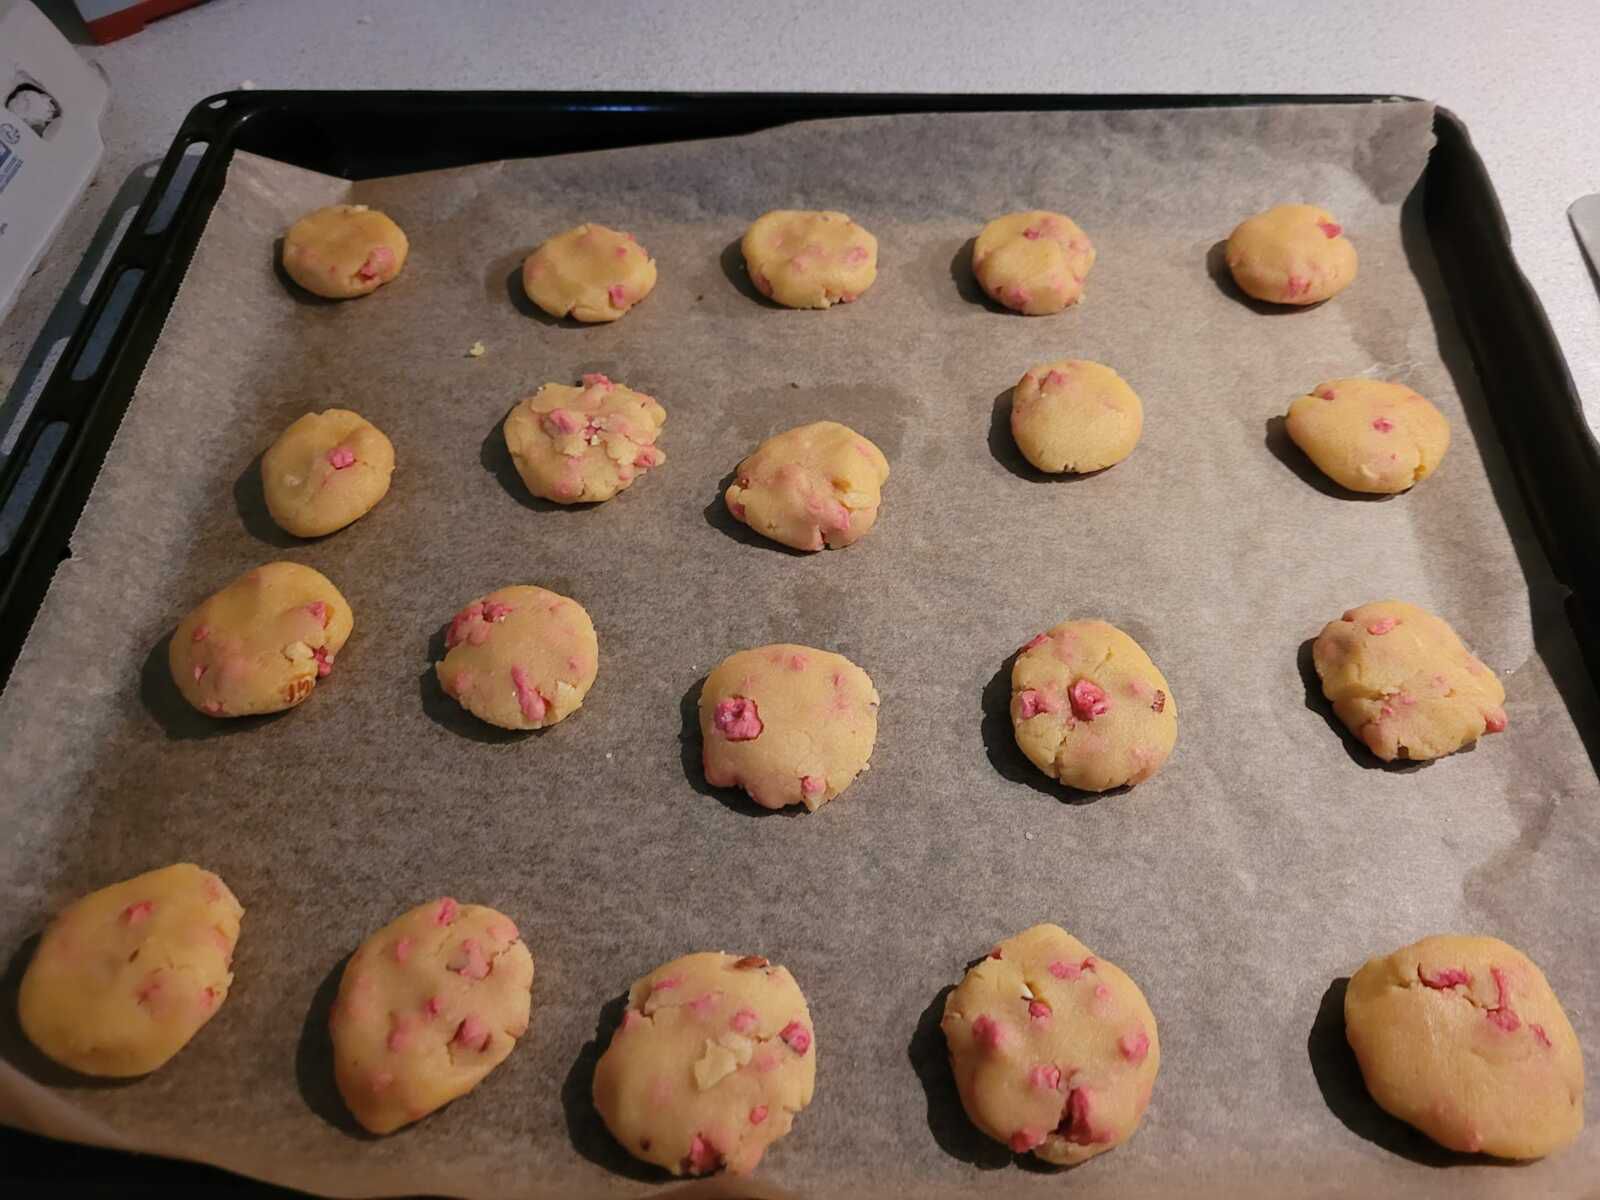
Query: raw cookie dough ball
714, 1057
1032, 262
583, 445
1400, 678
590, 273
809, 259
1090, 709
1463, 1038
427, 1007
1291, 254
1075, 416
124, 977
520, 658
260, 644
1368, 435
788, 724
344, 250
325, 471
812, 486
1054, 1050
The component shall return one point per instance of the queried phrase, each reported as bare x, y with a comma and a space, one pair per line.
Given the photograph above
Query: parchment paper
1265, 863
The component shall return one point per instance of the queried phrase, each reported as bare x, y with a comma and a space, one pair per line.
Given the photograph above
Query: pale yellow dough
1033, 262
1291, 254
584, 444
1075, 416
1368, 435
590, 274
325, 471
520, 658
427, 1007
1400, 678
1054, 1050
260, 644
1463, 1038
809, 259
344, 251
714, 1057
813, 486
124, 977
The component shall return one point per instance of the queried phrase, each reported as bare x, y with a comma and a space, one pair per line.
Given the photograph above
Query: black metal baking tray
1529, 393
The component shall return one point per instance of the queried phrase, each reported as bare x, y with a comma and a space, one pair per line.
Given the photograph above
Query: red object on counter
111, 20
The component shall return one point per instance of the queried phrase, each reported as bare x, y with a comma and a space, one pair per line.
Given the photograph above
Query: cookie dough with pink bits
125, 976
325, 471
1291, 254
1369, 435
591, 274
809, 259
582, 445
520, 658
1090, 709
1034, 263
1054, 1049
1404, 684
262, 643
1463, 1038
1075, 416
344, 251
788, 724
427, 1007
815, 486
714, 1058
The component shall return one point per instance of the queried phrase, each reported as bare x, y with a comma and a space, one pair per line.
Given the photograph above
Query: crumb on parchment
476, 350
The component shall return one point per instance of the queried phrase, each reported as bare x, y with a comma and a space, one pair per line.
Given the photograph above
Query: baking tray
1548, 447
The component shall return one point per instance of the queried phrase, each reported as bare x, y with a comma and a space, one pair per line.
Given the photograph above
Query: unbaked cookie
590, 273
1368, 435
788, 724
1400, 678
520, 658
1075, 416
1090, 709
344, 250
1054, 1050
809, 259
1291, 254
260, 644
1033, 262
427, 1007
124, 977
584, 444
325, 471
813, 486
1463, 1038
714, 1057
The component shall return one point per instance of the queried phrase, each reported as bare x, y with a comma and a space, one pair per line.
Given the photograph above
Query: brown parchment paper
1265, 863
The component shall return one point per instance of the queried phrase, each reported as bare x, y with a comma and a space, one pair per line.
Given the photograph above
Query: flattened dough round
344, 251
812, 486
260, 644
520, 658
1368, 435
1075, 416
1291, 254
325, 471
788, 724
124, 977
714, 1057
809, 259
1403, 683
1033, 262
1090, 709
589, 273
1054, 1050
581, 445
427, 1007
1463, 1038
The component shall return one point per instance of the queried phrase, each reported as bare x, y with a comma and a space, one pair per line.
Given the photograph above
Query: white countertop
1527, 85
